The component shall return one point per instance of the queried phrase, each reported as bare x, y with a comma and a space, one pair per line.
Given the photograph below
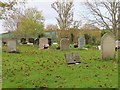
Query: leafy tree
31, 24
87, 38
104, 32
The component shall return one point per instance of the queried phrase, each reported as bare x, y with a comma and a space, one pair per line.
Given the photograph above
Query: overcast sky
50, 14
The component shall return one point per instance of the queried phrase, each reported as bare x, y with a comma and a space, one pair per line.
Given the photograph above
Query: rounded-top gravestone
108, 46
81, 42
64, 44
11, 45
42, 42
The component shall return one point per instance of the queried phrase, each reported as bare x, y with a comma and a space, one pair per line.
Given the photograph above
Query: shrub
88, 46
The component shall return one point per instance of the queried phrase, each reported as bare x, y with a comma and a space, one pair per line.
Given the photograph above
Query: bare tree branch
108, 20
65, 13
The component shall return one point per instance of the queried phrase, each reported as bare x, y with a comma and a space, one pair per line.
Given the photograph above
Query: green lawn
48, 68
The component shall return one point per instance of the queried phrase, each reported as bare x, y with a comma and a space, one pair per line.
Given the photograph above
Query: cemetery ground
33, 68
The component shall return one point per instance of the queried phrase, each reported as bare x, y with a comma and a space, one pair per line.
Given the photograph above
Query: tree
51, 27
119, 21
65, 13
9, 5
109, 19
11, 12
30, 24
89, 26
5, 6
76, 24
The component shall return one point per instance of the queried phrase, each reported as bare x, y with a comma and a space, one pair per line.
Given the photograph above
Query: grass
34, 68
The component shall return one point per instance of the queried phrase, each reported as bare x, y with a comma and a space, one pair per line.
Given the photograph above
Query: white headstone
11, 45
108, 46
43, 42
117, 43
81, 42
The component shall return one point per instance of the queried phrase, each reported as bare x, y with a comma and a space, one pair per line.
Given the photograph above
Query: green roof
6, 35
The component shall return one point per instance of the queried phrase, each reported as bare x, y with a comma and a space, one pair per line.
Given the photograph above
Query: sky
48, 12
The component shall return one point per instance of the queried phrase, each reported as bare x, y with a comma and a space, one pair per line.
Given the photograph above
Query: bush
53, 46
88, 46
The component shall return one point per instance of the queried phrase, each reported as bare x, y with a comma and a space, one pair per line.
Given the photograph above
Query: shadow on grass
15, 52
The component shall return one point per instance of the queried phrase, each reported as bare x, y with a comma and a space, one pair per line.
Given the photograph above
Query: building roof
6, 35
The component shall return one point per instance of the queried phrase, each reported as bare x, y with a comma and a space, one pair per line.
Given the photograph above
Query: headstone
76, 57
108, 46
64, 44
11, 45
43, 42
69, 59
72, 58
117, 44
36, 41
49, 41
75, 45
81, 42
23, 41
31, 40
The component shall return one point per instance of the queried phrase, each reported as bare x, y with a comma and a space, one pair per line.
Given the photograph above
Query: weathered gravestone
107, 46
81, 42
64, 44
42, 42
11, 45
72, 58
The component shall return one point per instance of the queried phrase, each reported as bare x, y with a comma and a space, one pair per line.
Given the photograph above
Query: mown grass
34, 68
